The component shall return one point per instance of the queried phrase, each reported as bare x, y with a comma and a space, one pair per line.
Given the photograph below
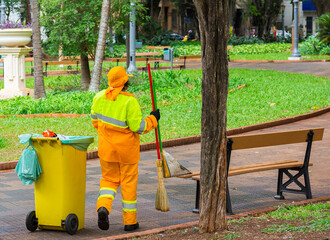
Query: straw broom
161, 202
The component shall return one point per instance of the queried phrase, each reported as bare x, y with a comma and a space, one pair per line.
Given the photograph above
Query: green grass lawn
268, 95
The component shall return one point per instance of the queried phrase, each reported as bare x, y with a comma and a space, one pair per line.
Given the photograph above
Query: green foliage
64, 83
186, 48
161, 39
71, 102
260, 48
312, 45
314, 217
285, 212
2, 142
324, 31
232, 235
67, 24
243, 40
148, 31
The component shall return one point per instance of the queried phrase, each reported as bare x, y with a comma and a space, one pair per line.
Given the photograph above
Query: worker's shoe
131, 227
103, 219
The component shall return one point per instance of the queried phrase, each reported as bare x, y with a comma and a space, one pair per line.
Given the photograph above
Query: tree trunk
322, 6
104, 25
162, 16
85, 72
39, 87
28, 12
213, 26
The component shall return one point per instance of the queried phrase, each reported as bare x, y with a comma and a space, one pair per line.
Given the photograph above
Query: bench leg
307, 186
279, 194
196, 209
283, 187
229, 210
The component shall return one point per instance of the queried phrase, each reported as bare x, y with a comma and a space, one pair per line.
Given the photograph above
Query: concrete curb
46, 115
197, 138
279, 61
253, 213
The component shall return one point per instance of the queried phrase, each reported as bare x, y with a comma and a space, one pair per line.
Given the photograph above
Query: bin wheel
31, 221
71, 223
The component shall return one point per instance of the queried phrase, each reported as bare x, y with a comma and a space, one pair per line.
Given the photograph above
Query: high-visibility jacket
119, 124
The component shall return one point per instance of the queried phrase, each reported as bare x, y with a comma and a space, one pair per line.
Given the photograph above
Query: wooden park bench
293, 169
145, 57
69, 65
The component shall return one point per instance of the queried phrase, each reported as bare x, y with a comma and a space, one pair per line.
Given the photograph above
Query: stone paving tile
248, 192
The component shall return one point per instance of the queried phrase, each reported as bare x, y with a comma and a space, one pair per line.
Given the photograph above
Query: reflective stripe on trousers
107, 192
129, 206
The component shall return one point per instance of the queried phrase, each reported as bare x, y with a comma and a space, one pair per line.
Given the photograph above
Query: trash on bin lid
48, 133
78, 142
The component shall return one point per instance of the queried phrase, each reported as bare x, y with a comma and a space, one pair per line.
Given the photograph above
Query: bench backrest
277, 138
61, 62
158, 47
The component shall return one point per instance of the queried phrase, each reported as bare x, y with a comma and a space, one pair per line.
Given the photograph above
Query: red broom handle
154, 109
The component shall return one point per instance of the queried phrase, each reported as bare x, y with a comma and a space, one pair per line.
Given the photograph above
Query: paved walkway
248, 192
315, 68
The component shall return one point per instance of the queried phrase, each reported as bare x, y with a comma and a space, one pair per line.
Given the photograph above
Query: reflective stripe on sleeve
142, 127
129, 206
111, 120
94, 117
107, 192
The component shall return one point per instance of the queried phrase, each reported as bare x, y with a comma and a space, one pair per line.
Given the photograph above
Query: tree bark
213, 26
321, 6
28, 12
39, 87
85, 72
104, 25
162, 16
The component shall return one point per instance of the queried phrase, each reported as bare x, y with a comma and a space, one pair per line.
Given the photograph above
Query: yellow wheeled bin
60, 190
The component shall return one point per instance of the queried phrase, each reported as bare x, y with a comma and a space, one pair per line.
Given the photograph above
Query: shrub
162, 39
324, 31
64, 84
312, 45
260, 48
243, 40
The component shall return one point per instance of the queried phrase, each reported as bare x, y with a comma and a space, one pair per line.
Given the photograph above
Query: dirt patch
252, 228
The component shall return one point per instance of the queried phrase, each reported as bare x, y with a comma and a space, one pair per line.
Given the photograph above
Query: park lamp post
283, 25
132, 68
295, 53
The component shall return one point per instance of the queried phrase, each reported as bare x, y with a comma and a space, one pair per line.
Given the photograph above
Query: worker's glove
156, 114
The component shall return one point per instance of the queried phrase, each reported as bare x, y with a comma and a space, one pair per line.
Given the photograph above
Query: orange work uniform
117, 117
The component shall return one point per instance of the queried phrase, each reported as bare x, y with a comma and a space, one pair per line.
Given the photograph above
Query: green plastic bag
28, 168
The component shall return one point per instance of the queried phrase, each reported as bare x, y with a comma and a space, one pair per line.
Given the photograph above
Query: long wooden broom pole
161, 202
154, 102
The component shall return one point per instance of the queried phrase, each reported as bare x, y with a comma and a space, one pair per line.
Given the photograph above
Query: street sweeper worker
116, 115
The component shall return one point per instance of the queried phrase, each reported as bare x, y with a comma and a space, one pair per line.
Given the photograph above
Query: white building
306, 17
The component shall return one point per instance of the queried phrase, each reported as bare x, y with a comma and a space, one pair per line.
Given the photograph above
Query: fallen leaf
272, 104
239, 87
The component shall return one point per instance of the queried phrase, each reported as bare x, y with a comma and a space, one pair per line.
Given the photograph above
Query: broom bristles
161, 202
